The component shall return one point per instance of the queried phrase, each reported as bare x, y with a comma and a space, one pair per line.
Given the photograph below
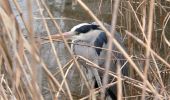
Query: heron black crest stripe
101, 39
86, 28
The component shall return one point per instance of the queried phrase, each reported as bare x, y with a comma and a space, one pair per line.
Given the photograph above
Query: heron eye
77, 33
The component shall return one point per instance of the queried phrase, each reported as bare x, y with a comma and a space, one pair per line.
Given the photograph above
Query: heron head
83, 31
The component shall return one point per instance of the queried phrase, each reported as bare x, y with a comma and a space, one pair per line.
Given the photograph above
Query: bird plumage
99, 42
91, 34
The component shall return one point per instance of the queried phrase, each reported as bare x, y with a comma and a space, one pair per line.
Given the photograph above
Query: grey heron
92, 34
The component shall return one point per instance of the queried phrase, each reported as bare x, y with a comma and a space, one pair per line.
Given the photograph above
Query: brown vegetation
143, 23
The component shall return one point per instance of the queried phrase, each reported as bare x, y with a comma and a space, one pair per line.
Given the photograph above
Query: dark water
76, 14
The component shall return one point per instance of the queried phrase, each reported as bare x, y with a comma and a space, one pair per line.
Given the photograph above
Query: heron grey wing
118, 55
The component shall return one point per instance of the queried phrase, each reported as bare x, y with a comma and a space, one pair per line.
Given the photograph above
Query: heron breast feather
83, 48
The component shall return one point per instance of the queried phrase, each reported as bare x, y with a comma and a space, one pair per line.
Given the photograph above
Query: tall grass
143, 24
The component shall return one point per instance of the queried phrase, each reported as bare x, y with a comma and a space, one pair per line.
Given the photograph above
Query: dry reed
148, 55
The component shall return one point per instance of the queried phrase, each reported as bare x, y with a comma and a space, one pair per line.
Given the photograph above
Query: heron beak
66, 35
